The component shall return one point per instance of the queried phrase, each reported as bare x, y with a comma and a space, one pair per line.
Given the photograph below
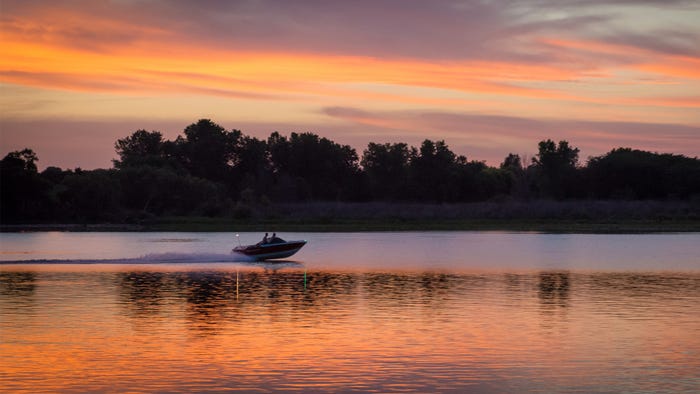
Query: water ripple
249, 328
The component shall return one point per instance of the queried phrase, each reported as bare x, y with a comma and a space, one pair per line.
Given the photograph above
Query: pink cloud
493, 52
492, 137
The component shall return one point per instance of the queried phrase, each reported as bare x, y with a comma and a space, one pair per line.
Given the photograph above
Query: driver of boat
264, 240
275, 239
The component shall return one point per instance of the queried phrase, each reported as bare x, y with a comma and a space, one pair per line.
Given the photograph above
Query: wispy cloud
494, 43
437, 30
591, 69
498, 135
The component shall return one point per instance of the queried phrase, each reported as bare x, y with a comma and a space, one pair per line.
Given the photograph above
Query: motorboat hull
270, 251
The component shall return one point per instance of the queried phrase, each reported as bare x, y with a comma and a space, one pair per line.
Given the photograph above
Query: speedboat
276, 248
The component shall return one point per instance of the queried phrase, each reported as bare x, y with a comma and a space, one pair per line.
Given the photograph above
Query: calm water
364, 312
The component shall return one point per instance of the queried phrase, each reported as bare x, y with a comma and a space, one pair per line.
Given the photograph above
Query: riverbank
541, 216
548, 226
209, 225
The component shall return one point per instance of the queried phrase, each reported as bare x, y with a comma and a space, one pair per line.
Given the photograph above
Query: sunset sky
488, 77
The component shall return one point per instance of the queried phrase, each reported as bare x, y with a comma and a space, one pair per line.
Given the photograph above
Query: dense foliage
214, 172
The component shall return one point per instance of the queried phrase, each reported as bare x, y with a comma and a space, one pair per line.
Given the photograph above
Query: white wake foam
152, 258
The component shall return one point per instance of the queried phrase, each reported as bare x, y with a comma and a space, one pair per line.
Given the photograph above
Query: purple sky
488, 77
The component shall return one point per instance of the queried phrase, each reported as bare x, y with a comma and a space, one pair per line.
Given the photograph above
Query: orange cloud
56, 67
146, 60
678, 102
103, 53
260, 63
674, 66
632, 57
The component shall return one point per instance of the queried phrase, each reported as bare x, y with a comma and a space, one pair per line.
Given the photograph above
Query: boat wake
154, 258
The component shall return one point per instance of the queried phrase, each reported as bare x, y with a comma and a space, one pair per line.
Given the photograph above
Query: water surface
456, 250
362, 312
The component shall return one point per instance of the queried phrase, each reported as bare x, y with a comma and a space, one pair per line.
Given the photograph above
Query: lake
351, 312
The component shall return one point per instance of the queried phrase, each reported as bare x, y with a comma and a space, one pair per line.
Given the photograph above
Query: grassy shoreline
223, 225
542, 216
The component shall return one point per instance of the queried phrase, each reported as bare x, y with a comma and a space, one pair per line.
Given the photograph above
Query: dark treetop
210, 171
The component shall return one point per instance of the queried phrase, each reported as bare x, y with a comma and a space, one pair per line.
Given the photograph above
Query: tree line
211, 171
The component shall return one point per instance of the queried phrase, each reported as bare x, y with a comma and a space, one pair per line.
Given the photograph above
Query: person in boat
275, 239
264, 240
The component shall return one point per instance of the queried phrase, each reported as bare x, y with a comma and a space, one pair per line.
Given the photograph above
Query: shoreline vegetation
213, 179
538, 216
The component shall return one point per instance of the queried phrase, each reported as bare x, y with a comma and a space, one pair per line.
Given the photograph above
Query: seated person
264, 241
275, 239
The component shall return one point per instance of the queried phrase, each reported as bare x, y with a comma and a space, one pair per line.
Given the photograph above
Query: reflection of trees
17, 284
643, 290
330, 285
141, 291
206, 289
397, 288
17, 291
514, 282
207, 296
553, 288
212, 298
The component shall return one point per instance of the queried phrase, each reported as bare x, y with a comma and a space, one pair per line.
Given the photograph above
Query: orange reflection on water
163, 330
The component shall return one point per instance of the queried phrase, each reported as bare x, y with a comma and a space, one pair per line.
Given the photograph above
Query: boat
275, 248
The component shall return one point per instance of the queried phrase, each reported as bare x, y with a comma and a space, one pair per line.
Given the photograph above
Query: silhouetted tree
387, 169
23, 193
467, 179
315, 168
634, 174
162, 191
252, 168
90, 196
512, 163
24, 160
139, 149
517, 176
212, 171
208, 151
556, 169
479, 182
432, 172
